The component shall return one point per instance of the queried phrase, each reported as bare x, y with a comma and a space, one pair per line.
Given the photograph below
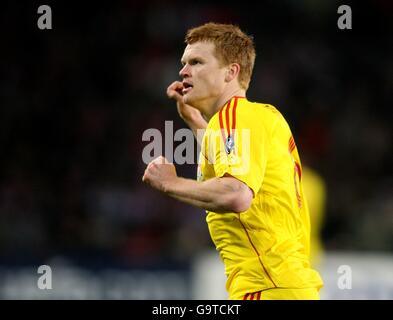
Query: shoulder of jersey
255, 109
250, 110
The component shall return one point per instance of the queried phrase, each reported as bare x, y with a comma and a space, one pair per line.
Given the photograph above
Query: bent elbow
242, 202
240, 205
235, 197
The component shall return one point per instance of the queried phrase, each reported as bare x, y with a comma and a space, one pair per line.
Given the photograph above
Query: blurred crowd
75, 101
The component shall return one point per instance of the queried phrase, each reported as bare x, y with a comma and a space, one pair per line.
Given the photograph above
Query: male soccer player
249, 173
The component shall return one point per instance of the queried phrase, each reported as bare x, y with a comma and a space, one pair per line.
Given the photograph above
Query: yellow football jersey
266, 246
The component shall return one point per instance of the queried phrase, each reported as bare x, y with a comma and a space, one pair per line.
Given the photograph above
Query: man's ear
232, 72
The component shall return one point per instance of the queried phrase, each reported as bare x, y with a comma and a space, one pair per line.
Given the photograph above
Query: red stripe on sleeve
227, 116
222, 125
259, 295
252, 296
291, 144
246, 296
299, 170
234, 116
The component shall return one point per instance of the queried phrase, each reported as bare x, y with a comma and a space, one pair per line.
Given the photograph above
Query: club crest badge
229, 144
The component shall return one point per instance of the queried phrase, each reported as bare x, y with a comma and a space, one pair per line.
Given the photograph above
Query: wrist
168, 186
189, 115
195, 119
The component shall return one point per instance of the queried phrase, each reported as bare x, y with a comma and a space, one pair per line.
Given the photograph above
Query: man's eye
194, 62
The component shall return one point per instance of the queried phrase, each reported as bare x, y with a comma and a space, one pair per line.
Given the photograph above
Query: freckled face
203, 77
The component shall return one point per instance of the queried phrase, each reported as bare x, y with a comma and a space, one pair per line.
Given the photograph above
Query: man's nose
185, 71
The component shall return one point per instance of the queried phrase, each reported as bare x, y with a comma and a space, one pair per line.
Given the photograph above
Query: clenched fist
159, 173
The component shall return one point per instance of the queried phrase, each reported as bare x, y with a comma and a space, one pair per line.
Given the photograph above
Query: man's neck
223, 99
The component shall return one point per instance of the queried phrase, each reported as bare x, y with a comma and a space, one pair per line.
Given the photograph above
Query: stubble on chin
191, 101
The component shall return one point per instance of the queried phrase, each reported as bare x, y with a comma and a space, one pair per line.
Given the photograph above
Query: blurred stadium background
76, 99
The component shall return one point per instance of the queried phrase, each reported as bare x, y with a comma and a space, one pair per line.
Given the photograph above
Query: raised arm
192, 117
221, 195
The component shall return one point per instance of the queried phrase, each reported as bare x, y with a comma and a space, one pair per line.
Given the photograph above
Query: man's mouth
186, 87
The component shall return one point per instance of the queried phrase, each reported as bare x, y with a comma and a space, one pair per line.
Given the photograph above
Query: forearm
217, 195
197, 124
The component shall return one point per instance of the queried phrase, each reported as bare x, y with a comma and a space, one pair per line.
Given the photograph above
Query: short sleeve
240, 152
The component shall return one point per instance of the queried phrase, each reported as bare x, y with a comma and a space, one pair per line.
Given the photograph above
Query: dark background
75, 101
